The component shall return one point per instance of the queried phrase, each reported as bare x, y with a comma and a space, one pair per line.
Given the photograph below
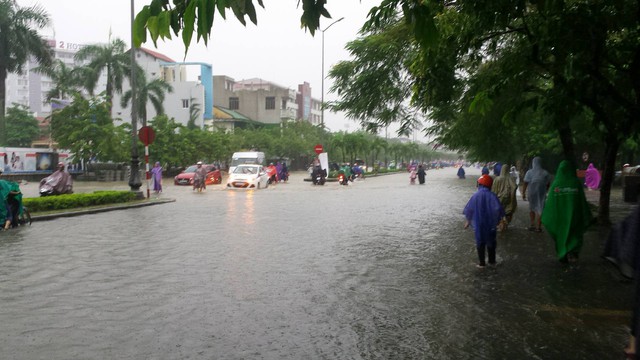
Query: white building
250, 101
30, 88
177, 103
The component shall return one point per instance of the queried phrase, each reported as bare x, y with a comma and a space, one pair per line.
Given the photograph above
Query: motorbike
57, 183
342, 179
272, 173
318, 177
284, 176
18, 214
199, 184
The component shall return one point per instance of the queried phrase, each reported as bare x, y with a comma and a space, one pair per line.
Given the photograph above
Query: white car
247, 176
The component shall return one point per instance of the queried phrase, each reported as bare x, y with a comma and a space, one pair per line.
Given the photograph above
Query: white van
246, 157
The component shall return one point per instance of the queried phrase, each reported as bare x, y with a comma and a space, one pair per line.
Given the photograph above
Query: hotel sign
64, 45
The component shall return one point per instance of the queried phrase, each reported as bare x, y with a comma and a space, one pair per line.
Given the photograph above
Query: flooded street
377, 270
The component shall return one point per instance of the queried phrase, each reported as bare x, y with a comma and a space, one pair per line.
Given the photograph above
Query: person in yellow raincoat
505, 189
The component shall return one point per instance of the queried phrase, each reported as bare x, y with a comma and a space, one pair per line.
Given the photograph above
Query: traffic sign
318, 149
146, 135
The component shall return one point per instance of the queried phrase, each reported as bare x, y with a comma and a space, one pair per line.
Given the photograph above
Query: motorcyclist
59, 182
272, 172
284, 172
199, 177
357, 171
318, 171
346, 171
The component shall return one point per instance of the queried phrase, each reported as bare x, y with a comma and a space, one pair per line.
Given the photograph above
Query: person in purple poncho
279, 169
483, 212
156, 175
592, 177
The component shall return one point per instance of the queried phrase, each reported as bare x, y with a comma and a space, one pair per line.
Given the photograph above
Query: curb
99, 210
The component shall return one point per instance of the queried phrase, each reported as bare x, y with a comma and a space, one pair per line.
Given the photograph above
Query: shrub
72, 201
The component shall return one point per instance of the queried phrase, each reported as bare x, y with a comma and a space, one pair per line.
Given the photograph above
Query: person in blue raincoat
484, 212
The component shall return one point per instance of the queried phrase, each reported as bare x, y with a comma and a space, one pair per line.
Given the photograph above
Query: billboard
17, 160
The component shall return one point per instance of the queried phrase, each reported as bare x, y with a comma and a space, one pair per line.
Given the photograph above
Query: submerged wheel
25, 217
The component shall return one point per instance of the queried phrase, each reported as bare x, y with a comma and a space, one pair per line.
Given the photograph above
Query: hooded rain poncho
592, 177
505, 189
7, 187
537, 179
566, 213
484, 212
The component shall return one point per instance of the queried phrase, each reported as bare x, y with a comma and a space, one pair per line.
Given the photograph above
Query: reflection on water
376, 270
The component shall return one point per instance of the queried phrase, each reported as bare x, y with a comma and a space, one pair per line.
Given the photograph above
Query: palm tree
65, 79
19, 40
111, 58
377, 144
152, 91
194, 113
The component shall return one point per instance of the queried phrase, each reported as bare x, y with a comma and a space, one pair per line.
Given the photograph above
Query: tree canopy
531, 76
22, 127
184, 17
19, 39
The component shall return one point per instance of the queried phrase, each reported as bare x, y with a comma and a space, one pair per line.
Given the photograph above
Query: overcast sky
277, 49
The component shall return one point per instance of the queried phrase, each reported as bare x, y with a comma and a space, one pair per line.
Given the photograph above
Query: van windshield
239, 161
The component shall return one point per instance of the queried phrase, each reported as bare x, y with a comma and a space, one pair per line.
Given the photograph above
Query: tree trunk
566, 139
608, 172
3, 97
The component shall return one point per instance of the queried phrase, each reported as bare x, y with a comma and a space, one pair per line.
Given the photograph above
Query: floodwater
377, 270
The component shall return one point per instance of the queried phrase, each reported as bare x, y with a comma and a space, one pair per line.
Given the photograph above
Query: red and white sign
318, 149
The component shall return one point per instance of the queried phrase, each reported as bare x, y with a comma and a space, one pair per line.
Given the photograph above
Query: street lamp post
322, 95
134, 177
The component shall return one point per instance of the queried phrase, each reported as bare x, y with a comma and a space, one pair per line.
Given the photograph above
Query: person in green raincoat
566, 213
10, 194
346, 170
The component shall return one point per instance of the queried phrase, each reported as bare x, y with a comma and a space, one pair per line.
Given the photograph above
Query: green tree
22, 127
19, 39
85, 128
486, 65
111, 58
376, 85
65, 79
162, 17
166, 147
378, 144
153, 91
338, 142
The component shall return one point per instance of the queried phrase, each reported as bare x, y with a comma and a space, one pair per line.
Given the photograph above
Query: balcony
287, 114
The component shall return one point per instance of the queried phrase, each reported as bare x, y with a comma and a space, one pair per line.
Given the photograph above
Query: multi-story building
252, 101
309, 109
31, 87
178, 103
264, 101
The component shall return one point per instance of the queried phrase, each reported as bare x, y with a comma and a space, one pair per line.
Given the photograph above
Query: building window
284, 104
185, 103
270, 103
234, 103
